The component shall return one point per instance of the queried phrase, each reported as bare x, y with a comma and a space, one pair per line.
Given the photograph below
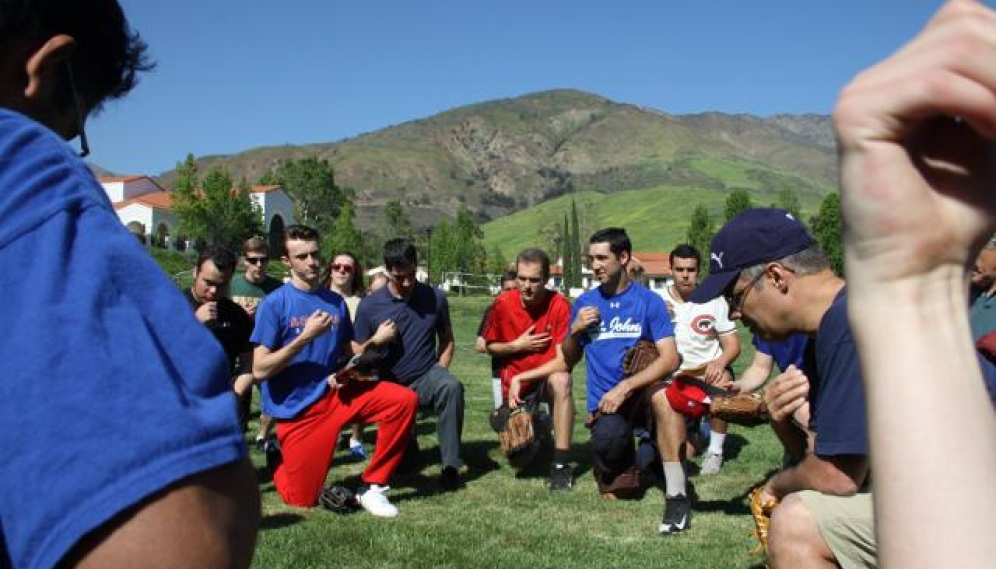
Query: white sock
354, 443
496, 390
674, 478
716, 441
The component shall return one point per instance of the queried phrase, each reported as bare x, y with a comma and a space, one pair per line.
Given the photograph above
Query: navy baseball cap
755, 236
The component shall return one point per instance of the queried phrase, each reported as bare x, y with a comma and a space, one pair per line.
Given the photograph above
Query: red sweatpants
308, 441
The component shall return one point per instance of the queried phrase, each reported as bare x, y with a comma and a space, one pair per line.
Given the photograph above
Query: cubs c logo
703, 324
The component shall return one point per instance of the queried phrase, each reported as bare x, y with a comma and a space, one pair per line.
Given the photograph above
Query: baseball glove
518, 434
746, 409
338, 499
637, 358
761, 511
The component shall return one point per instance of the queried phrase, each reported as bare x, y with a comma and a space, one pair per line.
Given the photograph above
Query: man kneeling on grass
303, 334
524, 332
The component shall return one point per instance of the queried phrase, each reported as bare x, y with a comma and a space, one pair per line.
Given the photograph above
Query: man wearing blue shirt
118, 416
302, 335
605, 323
779, 282
413, 358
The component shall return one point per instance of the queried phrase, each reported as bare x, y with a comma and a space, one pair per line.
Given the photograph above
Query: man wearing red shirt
525, 330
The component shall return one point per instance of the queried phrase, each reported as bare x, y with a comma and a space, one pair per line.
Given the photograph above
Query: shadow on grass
423, 480
276, 521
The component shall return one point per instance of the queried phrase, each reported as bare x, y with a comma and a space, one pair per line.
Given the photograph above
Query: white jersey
697, 328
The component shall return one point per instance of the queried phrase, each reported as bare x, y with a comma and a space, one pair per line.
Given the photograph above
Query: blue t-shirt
280, 318
634, 314
419, 319
836, 392
787, 351
111, 389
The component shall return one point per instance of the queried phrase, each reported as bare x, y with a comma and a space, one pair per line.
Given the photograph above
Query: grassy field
503, 520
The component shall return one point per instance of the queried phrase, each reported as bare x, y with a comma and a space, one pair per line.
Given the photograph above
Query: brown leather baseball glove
518, 438
637, 358
746, 409
761, 512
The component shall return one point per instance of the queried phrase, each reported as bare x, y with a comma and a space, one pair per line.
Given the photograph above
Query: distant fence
471, 283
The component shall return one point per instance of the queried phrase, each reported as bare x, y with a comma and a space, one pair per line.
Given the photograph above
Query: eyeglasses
736, 298
342, 268
257, 260
78, 106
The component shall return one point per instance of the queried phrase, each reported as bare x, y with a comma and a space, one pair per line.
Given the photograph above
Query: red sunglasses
342, 268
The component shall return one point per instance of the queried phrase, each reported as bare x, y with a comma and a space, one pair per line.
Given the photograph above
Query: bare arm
730, 345
528, 341
447, 346
220, 513
835, 475
586, 318
543, 371
756, 373
385, 333
917, 194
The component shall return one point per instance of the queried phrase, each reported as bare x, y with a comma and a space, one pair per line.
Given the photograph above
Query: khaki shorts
847, 524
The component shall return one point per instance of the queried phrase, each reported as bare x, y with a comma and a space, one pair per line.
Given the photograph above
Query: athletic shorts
847, 524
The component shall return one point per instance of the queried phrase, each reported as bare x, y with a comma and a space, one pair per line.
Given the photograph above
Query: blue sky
239, 74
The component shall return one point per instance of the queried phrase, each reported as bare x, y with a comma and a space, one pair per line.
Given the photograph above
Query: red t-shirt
509, 319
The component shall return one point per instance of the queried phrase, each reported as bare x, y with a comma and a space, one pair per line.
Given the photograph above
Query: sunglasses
342, 268
257, 260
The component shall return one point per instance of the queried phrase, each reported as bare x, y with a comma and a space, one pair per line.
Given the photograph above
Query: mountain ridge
502, 156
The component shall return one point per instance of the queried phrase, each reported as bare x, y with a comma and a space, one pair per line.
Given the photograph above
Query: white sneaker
711, 463
375, 502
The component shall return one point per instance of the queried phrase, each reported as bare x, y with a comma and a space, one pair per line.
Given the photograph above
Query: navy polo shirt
836, 393
419, 319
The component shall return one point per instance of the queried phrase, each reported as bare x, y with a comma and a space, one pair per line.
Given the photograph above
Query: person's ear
779, 276
44, 68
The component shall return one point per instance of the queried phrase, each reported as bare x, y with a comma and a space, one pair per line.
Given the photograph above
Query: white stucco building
143, 206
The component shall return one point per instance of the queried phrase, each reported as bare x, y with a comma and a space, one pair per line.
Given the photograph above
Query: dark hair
616, 238
297, 233
685, 251
222, 258
108, 57
356, 281
255, 245
509, 276
399, 252
534, 255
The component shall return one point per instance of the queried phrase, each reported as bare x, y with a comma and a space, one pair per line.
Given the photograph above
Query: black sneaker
561, 477
677, 514
449, 479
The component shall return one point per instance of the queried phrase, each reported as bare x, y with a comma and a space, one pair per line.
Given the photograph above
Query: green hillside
656, 218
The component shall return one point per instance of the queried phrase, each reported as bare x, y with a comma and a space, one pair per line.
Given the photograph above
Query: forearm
447, 346
730, 344
545, 370
921, 378
571, 350
753, 378
813, 473
502, 349
266, 363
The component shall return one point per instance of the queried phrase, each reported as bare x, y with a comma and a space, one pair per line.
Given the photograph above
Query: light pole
428, 255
